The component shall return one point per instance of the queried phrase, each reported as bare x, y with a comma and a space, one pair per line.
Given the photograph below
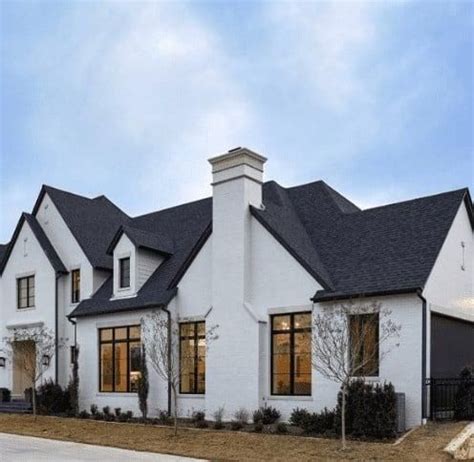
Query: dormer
136, 255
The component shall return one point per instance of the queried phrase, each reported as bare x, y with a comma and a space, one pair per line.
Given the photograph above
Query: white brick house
252, 253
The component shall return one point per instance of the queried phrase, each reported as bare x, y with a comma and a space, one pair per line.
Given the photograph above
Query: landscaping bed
426, 443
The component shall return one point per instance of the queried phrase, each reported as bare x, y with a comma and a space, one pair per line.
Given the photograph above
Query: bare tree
32, 350
161, 338
346, 343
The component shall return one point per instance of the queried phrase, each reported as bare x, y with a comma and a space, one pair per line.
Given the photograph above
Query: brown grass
423, 444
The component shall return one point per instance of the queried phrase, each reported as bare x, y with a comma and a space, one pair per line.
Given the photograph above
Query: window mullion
292, 355
195, 357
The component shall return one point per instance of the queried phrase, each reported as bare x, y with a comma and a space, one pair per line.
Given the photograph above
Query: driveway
14, 448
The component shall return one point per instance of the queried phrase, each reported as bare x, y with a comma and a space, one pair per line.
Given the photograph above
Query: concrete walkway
14, 448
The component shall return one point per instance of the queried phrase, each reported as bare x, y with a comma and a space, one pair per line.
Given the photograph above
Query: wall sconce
2, 362
45, 360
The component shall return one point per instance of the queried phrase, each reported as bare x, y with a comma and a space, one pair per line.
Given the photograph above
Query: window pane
302, 321
187, 329
281, 343
303, 384
187, 384
121, 333
281, 384
281, 323
105, 334
201, 328
31, 281
106, 368
135, 332
302, 342
135, 355
124, 272
121, 364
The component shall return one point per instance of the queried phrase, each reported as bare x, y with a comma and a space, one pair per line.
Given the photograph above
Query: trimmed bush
5, 395
321, 423
84, 415
298, 416
282, 428
464, 398
93, 409
218, 416
236, 425
371, 410
266, 415
164, 417
118, 412
258, 427
52, 399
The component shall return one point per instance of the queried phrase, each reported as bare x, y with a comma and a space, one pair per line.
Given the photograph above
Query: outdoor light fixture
45, 361
2, 362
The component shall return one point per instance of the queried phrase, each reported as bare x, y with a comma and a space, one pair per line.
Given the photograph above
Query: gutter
328, 297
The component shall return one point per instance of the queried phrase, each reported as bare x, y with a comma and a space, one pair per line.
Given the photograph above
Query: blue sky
129, 99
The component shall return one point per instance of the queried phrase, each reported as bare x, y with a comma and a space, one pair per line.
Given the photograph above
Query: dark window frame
72, 353
121, 273
75, 290
360, 318
30, 299
113, 342
196, 337
291, 332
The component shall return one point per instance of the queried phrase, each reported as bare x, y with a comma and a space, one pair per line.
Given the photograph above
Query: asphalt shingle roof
93, 222
389, 249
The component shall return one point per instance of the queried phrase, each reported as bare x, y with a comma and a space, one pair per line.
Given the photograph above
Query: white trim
191, 396
25, 274
25, 325
248, 307
118, 323
290, 309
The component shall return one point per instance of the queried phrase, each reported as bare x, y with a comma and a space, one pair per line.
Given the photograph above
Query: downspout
56, 329
424, 317
169, 357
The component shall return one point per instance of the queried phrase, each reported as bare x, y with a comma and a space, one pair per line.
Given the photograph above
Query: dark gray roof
43, 240
93, 222
187, 227
3, 250
389, 249
161, 243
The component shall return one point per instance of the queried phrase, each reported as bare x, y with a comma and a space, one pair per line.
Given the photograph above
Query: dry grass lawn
424, 444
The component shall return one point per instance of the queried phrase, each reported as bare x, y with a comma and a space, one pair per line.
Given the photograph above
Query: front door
24, 365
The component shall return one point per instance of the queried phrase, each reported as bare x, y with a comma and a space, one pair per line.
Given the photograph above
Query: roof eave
324, 296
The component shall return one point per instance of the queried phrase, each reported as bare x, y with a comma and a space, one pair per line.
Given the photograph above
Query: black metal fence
450, 398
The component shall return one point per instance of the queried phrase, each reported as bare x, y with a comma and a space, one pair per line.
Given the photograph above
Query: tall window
291, 354
192, 357
364, 344
124, 269
119, 359
75, 286
26, 292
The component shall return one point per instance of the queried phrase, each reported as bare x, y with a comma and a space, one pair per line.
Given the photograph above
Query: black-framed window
76, 286
124, 272
364, 344
291, 354
25, 292
192, 357
119, 359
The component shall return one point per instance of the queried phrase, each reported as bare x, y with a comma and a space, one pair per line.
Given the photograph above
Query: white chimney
237, 184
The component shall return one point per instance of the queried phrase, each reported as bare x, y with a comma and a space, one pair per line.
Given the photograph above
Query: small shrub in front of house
370, 410
94, 409
164, 418
464, 397
118, 412
218, 416
84, 415
5, 395
52, 399
241, 417
129, 416
267, 415
282, 428
298, 416
258, 427
199, 419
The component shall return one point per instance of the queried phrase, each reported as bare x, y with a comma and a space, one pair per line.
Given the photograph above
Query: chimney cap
233, 156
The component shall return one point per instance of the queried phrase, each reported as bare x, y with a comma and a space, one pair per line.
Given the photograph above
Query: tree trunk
33, 399
175, 412
343, 418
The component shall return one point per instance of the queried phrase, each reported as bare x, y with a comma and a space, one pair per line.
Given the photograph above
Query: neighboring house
256, 259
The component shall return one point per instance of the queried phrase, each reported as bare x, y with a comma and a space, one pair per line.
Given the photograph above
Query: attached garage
452, 345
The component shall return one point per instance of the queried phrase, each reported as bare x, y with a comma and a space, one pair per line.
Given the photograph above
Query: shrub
84, 415
370, 410
106, 410
266, 415
236, 425
320, 423
198, 416
93, 409
282, 428
218, 416
118, 412
298, 416
129, 416
52, 399
5, 395
242, 416
258, 427
464, 398
164, 417
98, 416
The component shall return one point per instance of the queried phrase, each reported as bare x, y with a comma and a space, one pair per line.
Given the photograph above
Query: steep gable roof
92, 222
42, 239
160, 243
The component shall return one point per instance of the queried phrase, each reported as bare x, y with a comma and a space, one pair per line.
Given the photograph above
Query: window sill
289, 398
28, 308
111, 394
192, 395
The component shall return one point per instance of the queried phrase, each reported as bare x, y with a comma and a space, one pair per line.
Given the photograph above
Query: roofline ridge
171, 208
